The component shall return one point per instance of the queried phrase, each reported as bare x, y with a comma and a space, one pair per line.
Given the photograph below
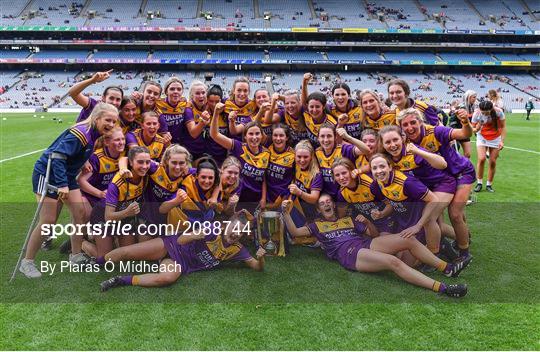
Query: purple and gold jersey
298, 130
279, 174
160, 188
430, 113
312, 127
361, 161
245, 115
325, 164
418, 167
338, 237
172, 117
436, 139
405, 194
363, 202
156, 147
385, 119
253, 170
204, 254
86, 111
195, 208
197, 145
127, 126
121, 192
354, 125
104, 167
213, 148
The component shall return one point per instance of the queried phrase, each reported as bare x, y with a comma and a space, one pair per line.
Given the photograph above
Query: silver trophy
271, 224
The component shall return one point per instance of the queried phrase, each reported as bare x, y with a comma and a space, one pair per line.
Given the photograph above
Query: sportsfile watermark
120, 228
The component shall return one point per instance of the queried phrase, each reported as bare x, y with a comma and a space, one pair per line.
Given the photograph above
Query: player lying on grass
357, 246
184, 254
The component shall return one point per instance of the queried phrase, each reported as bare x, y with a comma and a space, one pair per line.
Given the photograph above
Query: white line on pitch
22, 155
521, 150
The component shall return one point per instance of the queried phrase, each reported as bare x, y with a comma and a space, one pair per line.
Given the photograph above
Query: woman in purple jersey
186, 253
112, 95
399, 92
197, 118
330, 150
128, 112
428, 167
266, 113
229, 187
164, 180
213, 97
124, 200
239, 109
280, 172
104, 164
293, 115
355, 244
68, 153
253, 156
438, 140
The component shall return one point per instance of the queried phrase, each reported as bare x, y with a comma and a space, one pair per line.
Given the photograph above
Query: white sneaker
28, 268
78, 259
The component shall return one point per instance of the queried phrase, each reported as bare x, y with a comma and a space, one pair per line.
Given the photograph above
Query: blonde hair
313, 165
194, 84
408, 112
175, 149
228, 162
365, 92
99, 110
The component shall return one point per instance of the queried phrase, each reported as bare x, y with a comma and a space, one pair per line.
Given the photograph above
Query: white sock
488, 183
479, 181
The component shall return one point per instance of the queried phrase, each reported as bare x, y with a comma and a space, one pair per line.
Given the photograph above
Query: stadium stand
180, 54
61, 54
412, 55
54, 12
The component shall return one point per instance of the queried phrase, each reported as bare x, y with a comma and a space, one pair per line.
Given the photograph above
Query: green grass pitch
300, 302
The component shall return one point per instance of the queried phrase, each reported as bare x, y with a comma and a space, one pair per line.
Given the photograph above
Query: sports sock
100, 261
488, 183
438, 287
479, 181
442, 266
126, 280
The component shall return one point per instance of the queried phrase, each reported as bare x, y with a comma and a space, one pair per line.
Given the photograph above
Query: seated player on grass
184, 254
357, 246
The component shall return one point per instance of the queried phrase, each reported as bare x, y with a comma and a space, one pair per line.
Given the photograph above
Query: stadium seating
61, 54
466, 56
54, 12
180, 54
412, 55
14, 54
117, 54
352, 55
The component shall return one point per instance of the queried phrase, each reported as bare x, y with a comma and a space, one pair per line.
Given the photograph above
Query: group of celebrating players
365, 182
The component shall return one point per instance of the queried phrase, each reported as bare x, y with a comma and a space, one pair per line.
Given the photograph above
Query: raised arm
466, 130
75, 92
217, 136
289, 223
307, 77
360, 147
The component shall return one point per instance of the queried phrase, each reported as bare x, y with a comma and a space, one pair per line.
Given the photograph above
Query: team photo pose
185, 254
169, 110
490, 128
438, 139
280, 171
229, 187
238, 108
370, 138
112, 95
196, 119
427, 167
104, 165
355, 244
253, 157
192, 202
127, 112
399, 91
293, 115
355, 196
376, 114
68, 153
329, 151
213, 97
147, 136
345, 110
315, 111
151, 92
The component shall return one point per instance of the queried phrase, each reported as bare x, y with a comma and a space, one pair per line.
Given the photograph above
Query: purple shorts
467, 176
347, 254
91, 199
447, 185
173, 250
